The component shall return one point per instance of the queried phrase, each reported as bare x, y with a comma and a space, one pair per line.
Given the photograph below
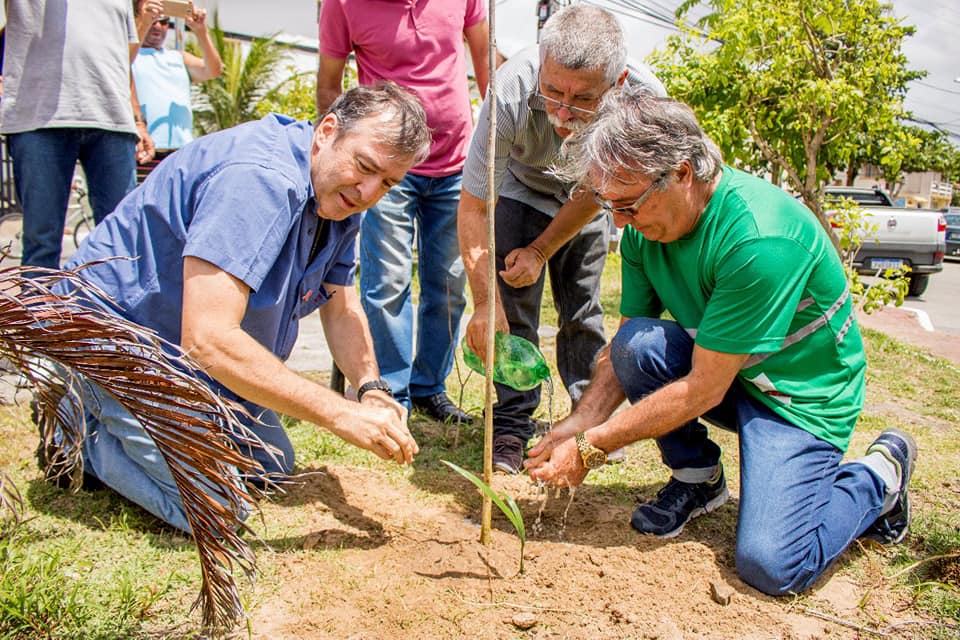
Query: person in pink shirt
419, 44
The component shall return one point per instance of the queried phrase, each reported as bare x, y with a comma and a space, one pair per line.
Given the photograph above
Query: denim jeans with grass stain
414, 357
122, 455
799, 507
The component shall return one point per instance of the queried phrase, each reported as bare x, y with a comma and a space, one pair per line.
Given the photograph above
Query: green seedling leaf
506, 504
517, 524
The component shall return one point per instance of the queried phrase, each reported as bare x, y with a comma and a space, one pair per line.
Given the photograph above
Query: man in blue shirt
233, 239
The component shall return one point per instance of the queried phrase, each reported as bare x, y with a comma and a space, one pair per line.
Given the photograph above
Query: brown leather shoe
508, 453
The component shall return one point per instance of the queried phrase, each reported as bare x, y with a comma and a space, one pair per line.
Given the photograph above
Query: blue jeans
387, 233
799, 507
43, 165
119, 452
575, 273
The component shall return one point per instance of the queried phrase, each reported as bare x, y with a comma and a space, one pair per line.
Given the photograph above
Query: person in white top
69, 96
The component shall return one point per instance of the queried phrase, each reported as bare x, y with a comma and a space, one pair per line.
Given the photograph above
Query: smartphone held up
177, 8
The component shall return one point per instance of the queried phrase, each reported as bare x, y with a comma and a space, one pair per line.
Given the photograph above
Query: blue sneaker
900, 449
677, 503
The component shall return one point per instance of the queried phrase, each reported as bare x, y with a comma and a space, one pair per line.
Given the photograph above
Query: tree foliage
246, 81
296, 97
792, 88
934, 152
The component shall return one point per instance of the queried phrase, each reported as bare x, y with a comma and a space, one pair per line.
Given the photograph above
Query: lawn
359, 548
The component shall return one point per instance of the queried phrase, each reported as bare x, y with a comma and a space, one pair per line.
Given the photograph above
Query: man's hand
380, 430
197, 20
378, 398
562, 431
150, 10
524, 266
145, 147
559, 465
477, 328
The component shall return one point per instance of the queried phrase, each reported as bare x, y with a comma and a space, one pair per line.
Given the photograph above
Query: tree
297, 95
792, 87
234, 96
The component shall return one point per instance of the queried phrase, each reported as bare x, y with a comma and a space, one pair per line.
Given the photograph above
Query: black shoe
507, 453
677, 503
900, 449
440, 408
51, 463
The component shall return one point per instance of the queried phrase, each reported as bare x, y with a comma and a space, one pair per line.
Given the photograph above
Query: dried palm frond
55, 340
10, 500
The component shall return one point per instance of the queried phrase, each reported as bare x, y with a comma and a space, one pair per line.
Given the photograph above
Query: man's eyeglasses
556, 104
630, 210
163, 22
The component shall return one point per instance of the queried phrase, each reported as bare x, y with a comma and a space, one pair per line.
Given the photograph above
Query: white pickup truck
911, 237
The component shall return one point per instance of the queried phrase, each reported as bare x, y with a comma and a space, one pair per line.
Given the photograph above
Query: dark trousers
575, 272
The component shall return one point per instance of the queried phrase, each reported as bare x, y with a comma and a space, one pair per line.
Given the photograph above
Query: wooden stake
487, 510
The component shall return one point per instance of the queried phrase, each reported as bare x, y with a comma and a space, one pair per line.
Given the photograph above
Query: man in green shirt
762, 341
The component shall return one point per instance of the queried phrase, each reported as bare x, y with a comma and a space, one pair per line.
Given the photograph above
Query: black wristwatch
379, 384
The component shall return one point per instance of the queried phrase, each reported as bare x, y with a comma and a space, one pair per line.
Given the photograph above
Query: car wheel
918, 284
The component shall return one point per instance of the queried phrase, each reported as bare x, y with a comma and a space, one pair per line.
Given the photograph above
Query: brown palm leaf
53, 339
10, 500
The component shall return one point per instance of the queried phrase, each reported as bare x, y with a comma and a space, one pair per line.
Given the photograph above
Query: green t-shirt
759, 275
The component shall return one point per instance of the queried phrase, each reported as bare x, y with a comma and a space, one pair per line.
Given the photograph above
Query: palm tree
233, 97
193, 428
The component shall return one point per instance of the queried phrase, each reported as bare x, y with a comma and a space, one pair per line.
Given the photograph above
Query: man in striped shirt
543, 95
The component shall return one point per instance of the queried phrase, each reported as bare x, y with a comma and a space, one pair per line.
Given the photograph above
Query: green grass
90, 565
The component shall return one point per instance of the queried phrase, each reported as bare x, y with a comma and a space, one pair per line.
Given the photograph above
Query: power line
933, 86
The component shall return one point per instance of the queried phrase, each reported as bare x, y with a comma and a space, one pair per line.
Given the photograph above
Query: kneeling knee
765, 568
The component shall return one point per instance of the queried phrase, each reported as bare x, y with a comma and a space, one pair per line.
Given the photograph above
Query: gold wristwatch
592, 456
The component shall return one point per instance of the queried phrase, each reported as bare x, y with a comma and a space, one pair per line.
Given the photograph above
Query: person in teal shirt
762, 339
163, 77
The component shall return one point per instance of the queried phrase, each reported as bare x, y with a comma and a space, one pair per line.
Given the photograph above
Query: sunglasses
630, 210
163, 22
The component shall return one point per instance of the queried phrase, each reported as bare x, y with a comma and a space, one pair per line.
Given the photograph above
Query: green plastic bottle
517, 362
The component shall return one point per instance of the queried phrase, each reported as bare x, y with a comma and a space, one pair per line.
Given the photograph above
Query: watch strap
379, 385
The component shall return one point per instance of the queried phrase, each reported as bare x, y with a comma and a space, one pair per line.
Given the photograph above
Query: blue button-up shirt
242, 200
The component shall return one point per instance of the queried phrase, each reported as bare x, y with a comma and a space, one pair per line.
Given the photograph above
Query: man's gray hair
582, 36
641, 133
404, 128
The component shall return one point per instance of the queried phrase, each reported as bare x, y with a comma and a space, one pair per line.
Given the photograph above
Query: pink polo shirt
419, 45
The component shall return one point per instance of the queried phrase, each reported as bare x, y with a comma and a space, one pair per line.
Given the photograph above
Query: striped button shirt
527, 144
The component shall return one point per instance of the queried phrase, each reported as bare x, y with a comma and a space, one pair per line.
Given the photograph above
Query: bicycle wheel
11, 230
82, 229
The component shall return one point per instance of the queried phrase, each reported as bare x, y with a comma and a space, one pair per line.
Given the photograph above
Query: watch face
594, 459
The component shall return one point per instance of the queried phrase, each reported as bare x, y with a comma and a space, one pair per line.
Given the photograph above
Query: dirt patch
373, 561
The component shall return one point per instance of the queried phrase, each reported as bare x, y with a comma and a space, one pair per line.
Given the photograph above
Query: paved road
941, 301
